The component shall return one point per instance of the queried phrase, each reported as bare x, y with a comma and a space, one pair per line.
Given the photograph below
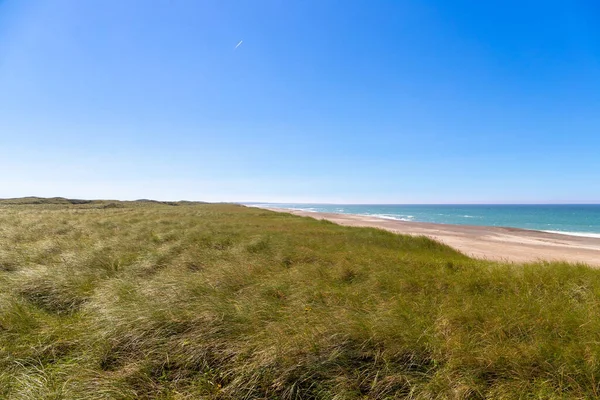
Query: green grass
200, 301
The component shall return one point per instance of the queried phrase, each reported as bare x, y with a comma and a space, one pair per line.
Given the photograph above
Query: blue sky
324, 101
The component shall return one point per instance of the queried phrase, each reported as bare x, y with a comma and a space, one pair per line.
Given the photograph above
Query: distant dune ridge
63, 200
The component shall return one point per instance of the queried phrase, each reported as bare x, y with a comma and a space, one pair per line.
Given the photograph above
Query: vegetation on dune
147, 300
65, 201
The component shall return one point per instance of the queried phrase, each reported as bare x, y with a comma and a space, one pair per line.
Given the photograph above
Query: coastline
485, 242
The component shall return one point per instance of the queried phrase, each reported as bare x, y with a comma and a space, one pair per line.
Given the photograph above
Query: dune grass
200, 301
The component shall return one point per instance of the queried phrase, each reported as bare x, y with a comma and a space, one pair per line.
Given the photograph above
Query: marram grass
108, 300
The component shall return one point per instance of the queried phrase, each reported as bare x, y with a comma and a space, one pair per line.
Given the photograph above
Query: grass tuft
162, 300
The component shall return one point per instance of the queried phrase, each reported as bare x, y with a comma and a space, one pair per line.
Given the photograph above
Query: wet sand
492, 243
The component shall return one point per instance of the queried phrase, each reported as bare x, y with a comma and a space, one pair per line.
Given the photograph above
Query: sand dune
493, 243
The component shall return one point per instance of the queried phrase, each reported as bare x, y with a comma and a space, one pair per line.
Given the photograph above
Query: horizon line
420, 204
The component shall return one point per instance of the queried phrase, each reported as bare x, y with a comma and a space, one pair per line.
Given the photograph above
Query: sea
568, 219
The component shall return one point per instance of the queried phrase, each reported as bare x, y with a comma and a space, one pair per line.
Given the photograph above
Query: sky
388, 101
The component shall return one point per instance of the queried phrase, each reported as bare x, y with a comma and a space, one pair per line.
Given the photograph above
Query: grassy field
111, 300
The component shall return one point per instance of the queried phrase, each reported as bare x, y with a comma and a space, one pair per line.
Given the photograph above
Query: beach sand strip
484, 242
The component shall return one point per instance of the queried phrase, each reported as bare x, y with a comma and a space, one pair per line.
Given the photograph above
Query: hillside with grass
126, 300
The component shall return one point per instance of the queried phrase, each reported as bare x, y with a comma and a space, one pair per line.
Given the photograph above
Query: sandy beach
492, 243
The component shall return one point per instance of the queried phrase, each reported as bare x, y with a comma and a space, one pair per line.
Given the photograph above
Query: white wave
406, 218
581, 234
282, 207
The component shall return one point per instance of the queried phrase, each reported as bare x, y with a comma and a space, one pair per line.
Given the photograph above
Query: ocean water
572, 219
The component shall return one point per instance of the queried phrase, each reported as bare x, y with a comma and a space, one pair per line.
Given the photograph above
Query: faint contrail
238, 45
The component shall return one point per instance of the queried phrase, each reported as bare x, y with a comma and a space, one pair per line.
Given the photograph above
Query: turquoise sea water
574, 219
